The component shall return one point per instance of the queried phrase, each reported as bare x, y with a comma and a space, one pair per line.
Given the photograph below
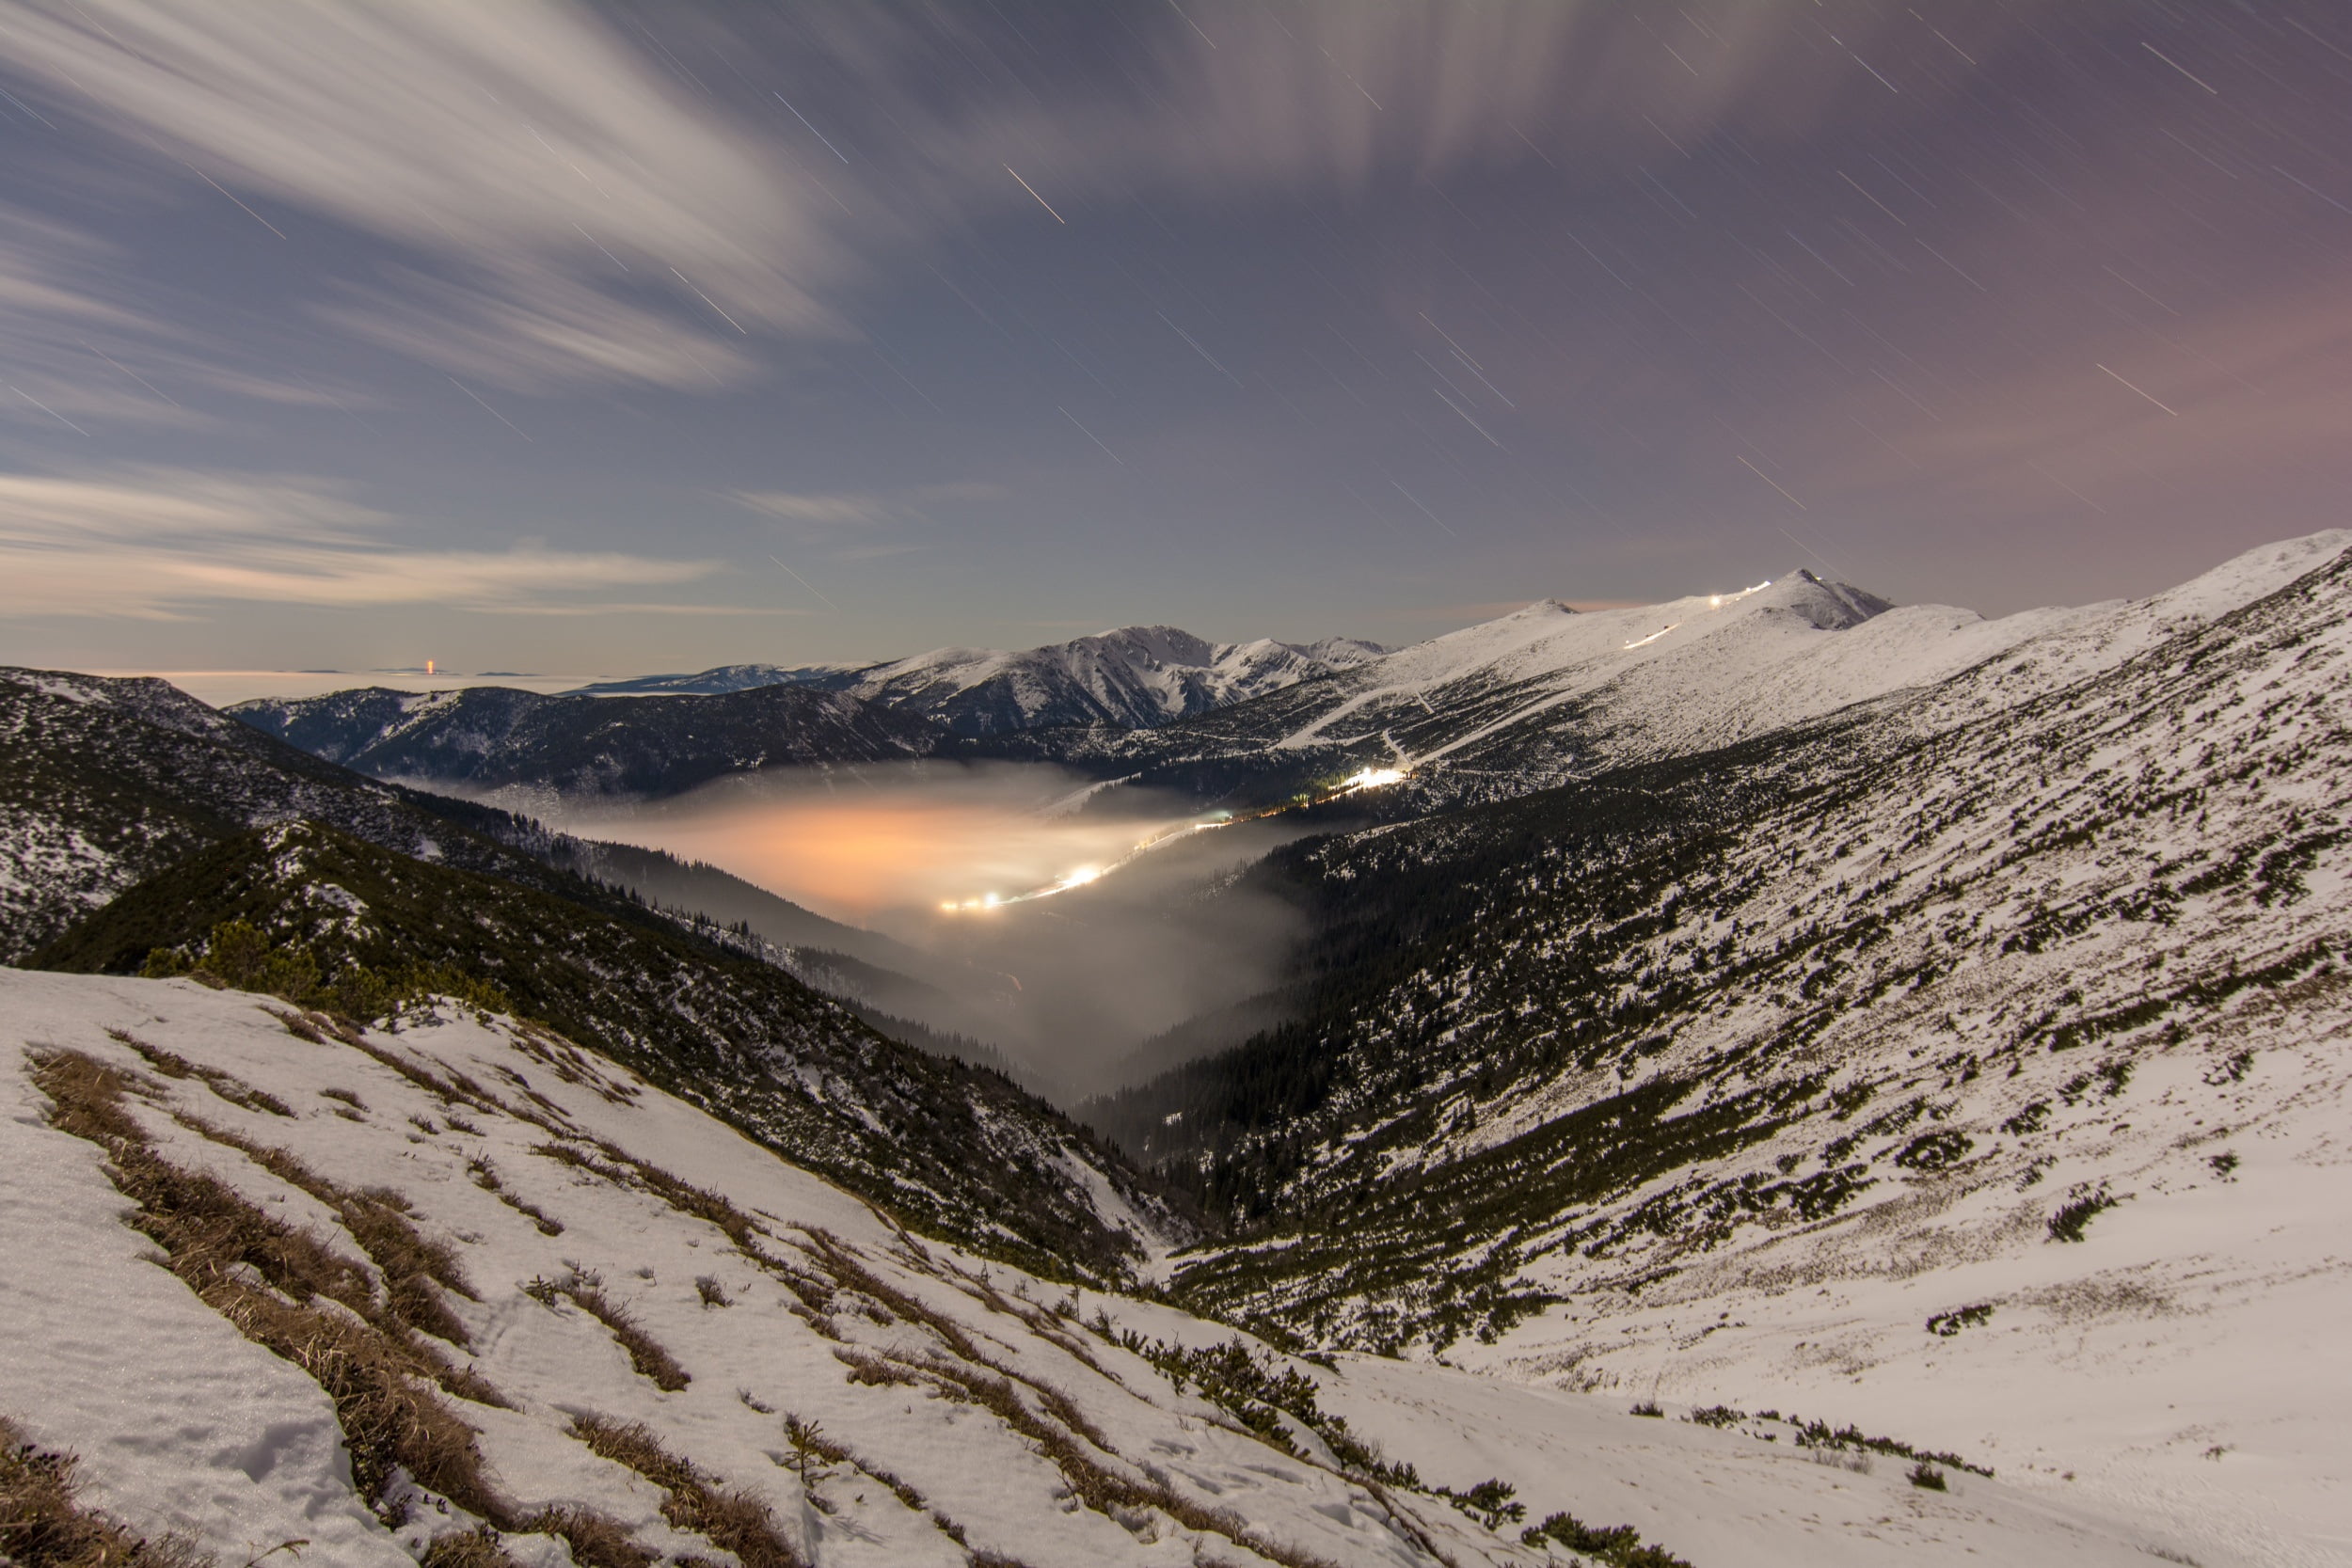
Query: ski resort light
1083, 875
1373, 778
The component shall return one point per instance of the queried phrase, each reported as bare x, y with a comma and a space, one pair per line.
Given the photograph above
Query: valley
1853, 1032
1175, 783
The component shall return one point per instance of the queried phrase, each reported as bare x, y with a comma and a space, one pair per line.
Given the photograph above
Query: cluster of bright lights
1714, 601
1079, 877
1370, 778
1717, 601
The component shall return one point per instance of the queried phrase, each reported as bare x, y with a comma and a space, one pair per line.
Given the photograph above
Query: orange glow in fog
850, 858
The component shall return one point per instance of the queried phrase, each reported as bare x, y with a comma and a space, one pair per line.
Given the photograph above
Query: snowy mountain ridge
1546, 694
522, 744
1130, 677
1972, 1057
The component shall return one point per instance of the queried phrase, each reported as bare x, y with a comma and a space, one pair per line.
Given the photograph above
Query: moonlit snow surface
183, 1424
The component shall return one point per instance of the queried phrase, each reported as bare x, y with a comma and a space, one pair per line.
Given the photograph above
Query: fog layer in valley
1091, 944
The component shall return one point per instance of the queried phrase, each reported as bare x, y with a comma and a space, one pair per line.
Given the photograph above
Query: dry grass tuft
301, 1026
315, 1309
712, 1292
735, 1520
42, 1526
870, 1366
383, 1394
227, 1085
473, 1549
596, 1540
648, 1354
411, 1263
486, 1175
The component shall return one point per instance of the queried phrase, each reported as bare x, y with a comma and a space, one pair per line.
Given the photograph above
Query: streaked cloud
65, 328
156, 544
1338, 92
591, 222
569, 206
817, 511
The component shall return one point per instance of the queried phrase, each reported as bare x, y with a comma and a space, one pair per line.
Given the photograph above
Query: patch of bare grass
44, 1525
486, 1176
596, 1540
314, 1311
227, 1085
412, 1264
734, 1519
472, 1548
585, 1288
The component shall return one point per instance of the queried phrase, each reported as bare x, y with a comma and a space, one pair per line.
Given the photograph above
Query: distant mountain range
681, 731
496, 737
1132, 677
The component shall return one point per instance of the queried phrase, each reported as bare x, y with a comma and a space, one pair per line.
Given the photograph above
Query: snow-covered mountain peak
1556, 652
1129, 676
1167, 644
1831, 605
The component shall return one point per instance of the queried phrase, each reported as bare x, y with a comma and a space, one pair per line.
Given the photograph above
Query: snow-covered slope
1549, 693
1970, 1066
635, 1310
954, 1151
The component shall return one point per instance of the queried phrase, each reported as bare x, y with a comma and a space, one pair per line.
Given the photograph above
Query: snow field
183, 1423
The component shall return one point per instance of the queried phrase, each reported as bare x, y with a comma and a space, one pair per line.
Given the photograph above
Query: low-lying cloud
1066, 982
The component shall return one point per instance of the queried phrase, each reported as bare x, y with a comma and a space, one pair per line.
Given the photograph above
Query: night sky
628, 337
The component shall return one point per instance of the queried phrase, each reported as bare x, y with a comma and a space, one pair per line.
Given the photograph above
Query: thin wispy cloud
817, 511
160, 544
88, 348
